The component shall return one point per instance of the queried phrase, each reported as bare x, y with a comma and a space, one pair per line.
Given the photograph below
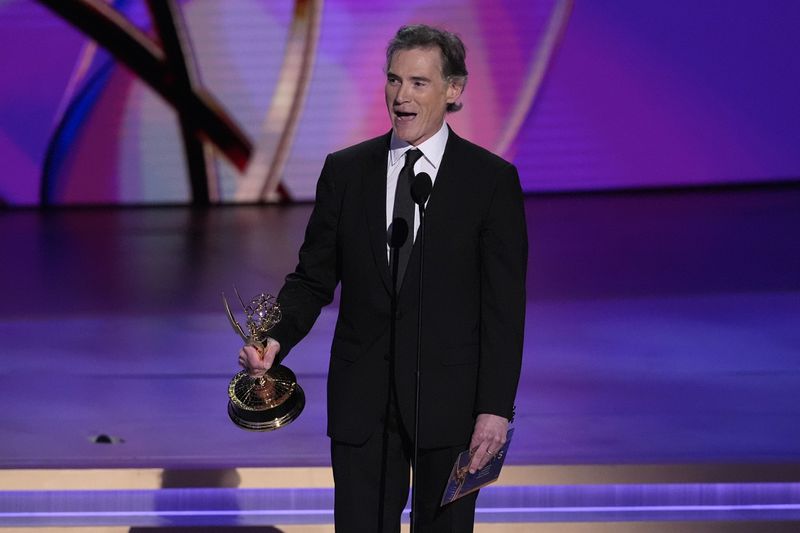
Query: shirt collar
432, 149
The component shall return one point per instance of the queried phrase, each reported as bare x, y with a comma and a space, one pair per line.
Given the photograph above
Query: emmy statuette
275, 399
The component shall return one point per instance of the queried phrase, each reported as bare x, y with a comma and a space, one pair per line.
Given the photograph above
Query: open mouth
404, 116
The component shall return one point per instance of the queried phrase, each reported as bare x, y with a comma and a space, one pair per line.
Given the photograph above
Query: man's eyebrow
390, 74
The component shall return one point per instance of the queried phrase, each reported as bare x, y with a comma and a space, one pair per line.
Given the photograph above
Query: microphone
398, 233
421, 189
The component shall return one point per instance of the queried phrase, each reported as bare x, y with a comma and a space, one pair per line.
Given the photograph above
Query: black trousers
372, 483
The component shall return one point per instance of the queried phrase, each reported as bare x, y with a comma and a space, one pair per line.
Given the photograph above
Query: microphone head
421, 188
398, 233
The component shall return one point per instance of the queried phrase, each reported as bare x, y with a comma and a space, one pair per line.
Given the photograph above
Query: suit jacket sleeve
311, 286
504, 254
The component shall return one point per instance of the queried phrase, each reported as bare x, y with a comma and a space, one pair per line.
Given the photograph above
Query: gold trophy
275, 399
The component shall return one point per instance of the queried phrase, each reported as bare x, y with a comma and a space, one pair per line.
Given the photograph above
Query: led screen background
633, 94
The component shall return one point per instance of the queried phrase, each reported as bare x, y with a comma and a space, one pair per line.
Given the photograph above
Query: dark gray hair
454, 66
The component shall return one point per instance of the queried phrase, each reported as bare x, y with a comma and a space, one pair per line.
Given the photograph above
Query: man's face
417, 94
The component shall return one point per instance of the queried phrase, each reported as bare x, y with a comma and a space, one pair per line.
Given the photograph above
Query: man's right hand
255, 361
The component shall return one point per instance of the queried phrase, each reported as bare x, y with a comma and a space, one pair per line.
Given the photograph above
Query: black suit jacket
475, 264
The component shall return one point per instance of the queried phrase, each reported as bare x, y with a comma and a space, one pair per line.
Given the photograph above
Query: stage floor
663, 328
658, 393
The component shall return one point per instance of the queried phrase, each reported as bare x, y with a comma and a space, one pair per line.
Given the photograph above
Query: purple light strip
591, 503
233, 512
649, 508
493, 510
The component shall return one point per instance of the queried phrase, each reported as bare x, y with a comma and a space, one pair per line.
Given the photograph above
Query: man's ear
454, 89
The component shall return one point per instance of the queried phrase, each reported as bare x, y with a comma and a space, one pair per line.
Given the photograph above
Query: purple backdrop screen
579, 95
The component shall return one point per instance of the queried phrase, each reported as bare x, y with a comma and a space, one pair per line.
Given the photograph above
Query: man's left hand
487, 439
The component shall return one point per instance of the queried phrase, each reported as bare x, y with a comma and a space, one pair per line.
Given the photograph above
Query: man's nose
402, 94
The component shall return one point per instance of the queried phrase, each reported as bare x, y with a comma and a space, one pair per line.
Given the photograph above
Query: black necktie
404, 210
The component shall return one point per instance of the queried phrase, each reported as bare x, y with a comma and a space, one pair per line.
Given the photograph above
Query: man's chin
403, 132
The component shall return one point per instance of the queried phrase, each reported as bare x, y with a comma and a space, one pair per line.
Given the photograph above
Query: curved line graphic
539, 65
179, 57
133, 48
170, 71
262, 178
66, 131
79, 72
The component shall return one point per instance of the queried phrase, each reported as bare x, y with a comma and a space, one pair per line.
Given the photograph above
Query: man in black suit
474, 297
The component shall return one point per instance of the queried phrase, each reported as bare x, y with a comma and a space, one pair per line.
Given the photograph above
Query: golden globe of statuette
275, 399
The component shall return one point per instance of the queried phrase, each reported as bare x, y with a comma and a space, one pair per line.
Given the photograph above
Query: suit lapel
374, 183
445, 188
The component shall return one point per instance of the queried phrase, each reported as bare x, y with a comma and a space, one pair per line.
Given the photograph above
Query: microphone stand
397, 235
420, 191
